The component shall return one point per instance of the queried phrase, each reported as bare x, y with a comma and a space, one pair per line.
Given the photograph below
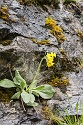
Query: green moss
5, 95
52, 3
27, 2
59, 81
48, 114
6, 42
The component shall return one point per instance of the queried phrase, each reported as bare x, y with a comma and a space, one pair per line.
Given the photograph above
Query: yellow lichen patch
80, 34
5, 17
50, 22
61, 37
4, 13
59, 81
81, 65
43, 42
48, 114
55, 29
4, 9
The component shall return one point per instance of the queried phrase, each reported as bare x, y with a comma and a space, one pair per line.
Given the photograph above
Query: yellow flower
49, 55
50, 58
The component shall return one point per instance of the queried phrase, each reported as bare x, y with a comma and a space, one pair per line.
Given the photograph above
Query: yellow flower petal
50, 58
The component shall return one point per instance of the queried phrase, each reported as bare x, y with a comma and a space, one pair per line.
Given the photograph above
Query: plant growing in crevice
49, 115
26, 92
73, 119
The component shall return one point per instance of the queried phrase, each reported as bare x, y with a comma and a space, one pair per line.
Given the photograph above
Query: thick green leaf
16, 82
17, 89
77, 107
23, 85
6, 83
27, 97
45, 91
16, 95
32, 85
18, 79
35, 93
32, 104
32, 98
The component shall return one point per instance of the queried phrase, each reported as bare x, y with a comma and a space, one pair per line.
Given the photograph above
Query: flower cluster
50, 58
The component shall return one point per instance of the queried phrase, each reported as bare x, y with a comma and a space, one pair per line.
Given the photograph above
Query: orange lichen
55, 29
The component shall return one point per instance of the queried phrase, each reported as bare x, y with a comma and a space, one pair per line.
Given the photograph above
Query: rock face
19, 25
14, 115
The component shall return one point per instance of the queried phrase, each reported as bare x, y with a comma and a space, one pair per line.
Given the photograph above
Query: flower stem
38, 69
33, 84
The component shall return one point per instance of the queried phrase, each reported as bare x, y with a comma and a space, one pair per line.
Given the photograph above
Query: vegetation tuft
26, 92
